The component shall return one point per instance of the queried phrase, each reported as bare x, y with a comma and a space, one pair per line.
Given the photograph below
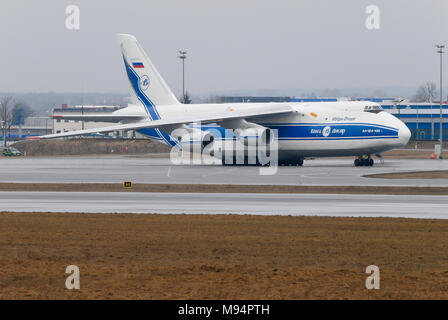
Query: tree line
9, 114
427, 92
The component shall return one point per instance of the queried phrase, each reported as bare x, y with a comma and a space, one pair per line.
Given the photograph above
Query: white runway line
169, 172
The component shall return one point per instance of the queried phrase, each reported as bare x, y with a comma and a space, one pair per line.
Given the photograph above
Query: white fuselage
317, 129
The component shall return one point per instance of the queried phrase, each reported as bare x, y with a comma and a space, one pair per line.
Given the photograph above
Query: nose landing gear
364, 161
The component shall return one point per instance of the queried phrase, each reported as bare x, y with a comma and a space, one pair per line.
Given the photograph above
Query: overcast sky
232, 45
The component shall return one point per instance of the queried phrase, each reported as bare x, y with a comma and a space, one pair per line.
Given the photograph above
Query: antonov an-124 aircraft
299, 130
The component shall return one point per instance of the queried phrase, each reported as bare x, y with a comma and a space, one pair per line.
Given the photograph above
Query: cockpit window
373, 109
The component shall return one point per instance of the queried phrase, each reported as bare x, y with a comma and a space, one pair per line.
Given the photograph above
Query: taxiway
324, 172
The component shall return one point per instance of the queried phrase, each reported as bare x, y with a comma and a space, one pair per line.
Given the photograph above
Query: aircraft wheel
357, 162
223, 160
300, 163
371, 162
232, 161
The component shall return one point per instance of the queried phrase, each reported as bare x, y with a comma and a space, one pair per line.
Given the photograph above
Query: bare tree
26, 111
19, 113
379, 93
186, 98
426, 92
5, 115
330, 93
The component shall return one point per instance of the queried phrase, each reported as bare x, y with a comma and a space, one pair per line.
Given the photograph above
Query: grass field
222, 188
220, 256
411, 175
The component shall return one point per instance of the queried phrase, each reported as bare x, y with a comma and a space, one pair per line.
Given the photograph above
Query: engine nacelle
191, 138
207, 139
255, 136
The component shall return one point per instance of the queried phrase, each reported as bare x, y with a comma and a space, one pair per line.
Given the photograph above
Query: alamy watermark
373, 280
72, 20
73, 280
373, 17
253, 146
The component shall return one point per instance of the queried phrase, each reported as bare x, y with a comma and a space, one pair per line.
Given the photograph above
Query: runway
411, 206
118, 168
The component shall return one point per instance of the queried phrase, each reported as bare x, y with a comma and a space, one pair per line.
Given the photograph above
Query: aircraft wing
101, 117
247, 112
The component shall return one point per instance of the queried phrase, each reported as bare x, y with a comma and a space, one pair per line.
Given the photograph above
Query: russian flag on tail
138, 65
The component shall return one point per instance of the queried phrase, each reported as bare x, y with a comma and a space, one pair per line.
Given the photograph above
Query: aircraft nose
404, 134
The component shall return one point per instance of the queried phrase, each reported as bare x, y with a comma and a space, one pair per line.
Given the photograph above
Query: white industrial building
32, 126
61, 125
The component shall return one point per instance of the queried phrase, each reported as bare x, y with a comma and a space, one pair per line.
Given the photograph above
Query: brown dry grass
88, 147
219, 188
220, 256
83, 146
407, 154
411, 175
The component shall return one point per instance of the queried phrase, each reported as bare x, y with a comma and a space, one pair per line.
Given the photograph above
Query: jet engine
254, 136
196, 140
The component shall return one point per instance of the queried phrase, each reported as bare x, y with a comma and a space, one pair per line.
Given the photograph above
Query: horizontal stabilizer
100, 118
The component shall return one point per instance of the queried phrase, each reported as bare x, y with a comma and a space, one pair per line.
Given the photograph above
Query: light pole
4, 133
397, 104
417, 136
440, 51
183, 56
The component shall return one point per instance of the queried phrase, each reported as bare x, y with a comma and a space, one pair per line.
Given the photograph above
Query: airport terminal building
63, 125
32, 126
423, 119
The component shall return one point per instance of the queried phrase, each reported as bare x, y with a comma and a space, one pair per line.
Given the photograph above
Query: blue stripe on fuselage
151, 133
327, 124
314, 131
335, 131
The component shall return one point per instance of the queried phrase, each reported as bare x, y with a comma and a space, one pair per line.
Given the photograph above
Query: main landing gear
364, 161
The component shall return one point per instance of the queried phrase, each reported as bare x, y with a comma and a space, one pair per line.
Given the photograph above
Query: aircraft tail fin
147, 86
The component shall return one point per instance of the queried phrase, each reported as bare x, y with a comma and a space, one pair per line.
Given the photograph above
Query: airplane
300, 130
